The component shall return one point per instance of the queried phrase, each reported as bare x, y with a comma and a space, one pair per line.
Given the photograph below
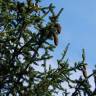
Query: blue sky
78, 22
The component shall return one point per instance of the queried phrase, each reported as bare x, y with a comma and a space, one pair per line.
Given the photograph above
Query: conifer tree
27, 40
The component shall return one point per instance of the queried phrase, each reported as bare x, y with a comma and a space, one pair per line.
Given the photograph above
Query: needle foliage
28, 36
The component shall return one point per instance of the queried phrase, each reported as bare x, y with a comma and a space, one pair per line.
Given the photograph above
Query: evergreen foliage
26, 47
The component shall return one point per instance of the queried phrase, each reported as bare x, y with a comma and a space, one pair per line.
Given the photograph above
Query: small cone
55, 36
58, 27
